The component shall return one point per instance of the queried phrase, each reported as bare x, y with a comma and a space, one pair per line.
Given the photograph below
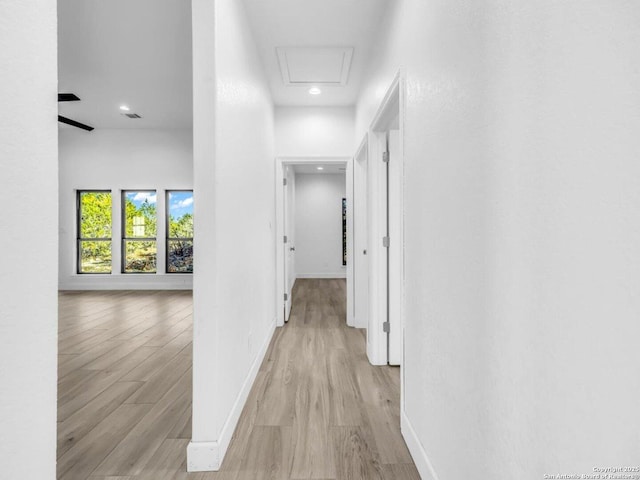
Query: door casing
280, 165
361, 274
386, 302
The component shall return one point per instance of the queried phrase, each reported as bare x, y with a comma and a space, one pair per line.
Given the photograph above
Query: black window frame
80, 239
168, 238
123, 231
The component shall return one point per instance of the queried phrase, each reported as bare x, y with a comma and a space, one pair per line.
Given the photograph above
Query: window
139, 246
94, 231
180, 232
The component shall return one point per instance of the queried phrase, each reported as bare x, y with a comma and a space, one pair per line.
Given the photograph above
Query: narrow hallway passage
318, 409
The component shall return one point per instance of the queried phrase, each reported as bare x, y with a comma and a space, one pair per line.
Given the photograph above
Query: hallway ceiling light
320, 168
315, 91
124, 108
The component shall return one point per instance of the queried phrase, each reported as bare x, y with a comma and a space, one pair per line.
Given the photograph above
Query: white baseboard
203, 456
375, 358
425, 469
322, 275
127, 282
208, 456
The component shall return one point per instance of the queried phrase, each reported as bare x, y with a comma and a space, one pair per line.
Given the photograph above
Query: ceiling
136, 53
126, 52
315, 25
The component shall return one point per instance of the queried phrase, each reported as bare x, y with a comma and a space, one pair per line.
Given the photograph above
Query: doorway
313, 231
385, 231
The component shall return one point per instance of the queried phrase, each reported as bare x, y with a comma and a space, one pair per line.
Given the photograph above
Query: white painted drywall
522, 232
28, 239
116, 160
314, 131
318, 223
234, 280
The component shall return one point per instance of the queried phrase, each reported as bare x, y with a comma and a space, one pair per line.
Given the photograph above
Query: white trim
208, 456
401, 126
293, 160
377, 205
322, 275
281, 288
360, 237
203, 456
131, 281
390, 108
423, 464
350, 247
390, 103
280, 162
364, 144
241, 399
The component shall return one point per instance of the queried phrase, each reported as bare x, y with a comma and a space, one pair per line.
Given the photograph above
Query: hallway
317, 408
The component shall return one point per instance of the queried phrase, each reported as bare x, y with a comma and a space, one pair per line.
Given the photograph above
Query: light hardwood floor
317, 408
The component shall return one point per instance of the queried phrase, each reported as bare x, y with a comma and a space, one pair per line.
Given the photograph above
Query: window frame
80, 238
168, 238
123, 231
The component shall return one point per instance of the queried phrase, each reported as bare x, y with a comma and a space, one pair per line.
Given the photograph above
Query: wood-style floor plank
110, 478
278, 407
355, 457
158, 385
81, 459
142, 441
168, 462
81, 422
400, 471
317, 409
267, 455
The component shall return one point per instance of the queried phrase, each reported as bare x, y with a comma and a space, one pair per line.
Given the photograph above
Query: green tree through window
180, 232
139, 232
94, 232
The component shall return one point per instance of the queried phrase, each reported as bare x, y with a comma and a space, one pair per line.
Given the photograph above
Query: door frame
280, 289
288, 214
391, 106
361, 235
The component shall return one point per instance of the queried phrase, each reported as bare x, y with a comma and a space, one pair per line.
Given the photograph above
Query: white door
360, 240
395, 263
289, 238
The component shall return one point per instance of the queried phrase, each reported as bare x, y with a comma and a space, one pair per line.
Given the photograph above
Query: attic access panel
315, 65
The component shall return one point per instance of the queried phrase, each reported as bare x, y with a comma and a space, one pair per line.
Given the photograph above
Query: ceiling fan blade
68, 97
73, 123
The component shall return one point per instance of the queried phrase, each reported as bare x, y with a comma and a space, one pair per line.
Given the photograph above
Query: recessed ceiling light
124, 108
320, 168
315, 91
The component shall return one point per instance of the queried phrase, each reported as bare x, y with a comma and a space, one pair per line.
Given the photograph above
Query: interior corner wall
234, 294
314, 131
28, 239
522, 232
116, 160
318, 225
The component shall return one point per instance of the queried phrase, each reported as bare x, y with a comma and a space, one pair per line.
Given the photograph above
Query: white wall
117, 160
522, 233
318, 225
314, 131
28, 239
234, 287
